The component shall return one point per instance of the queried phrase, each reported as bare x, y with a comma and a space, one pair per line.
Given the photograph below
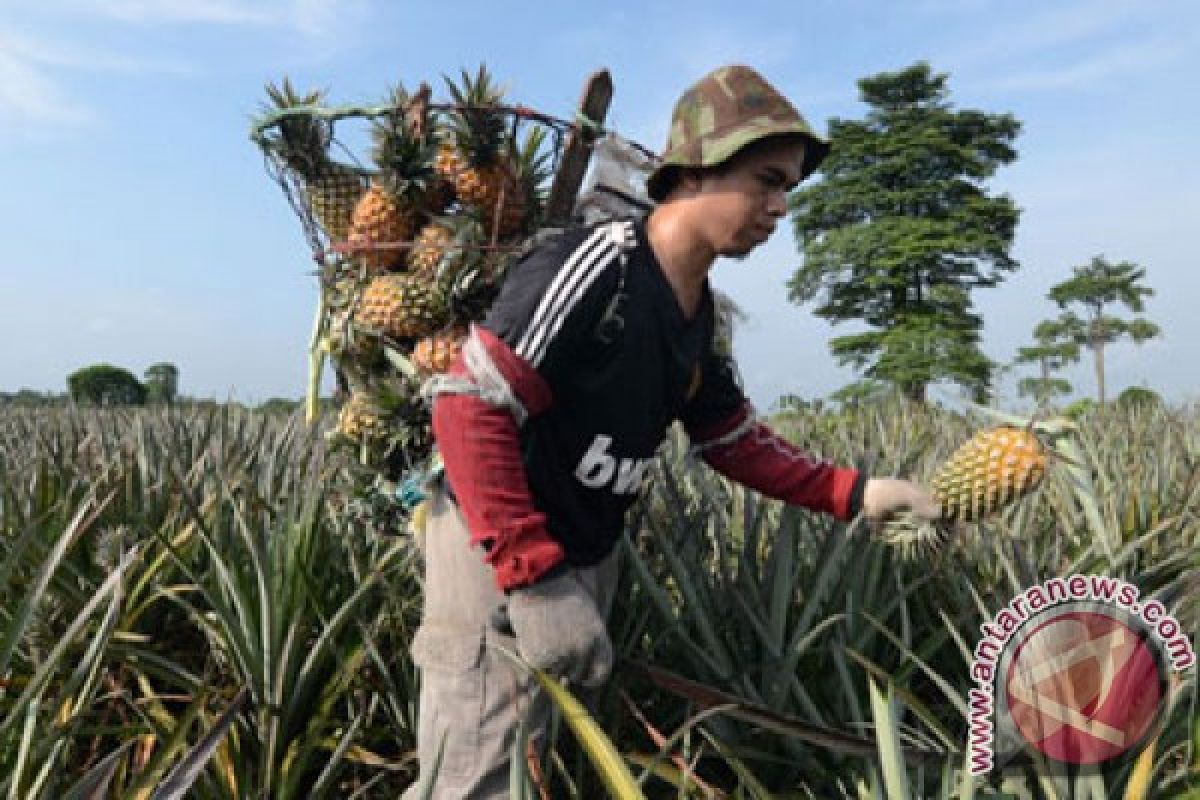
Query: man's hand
559, 629
884, 497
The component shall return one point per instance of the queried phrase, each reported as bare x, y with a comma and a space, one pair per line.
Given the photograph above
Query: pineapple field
217, 603
205, 603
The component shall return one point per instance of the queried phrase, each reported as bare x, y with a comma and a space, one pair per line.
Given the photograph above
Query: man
598, 341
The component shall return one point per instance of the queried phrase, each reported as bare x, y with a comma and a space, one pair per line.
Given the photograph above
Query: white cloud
1091, 71
34, 50
33, 91
29, 96
313, 18
324, 18
148, 12
34, 84
1050, 29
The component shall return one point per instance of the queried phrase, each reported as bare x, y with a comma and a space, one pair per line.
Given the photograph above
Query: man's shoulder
561, 242
574, 272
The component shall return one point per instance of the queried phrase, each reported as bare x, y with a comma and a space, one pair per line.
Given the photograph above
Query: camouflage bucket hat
723, 112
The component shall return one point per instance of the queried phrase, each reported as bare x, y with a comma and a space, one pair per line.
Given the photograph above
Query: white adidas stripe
599, 264
564, 292
549, 297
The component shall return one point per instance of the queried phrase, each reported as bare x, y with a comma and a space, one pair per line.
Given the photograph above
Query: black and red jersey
589, 336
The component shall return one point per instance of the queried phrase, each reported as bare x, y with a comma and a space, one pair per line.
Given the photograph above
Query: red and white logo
1083, 686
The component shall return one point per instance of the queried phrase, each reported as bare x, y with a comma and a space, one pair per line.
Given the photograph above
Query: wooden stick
597, 94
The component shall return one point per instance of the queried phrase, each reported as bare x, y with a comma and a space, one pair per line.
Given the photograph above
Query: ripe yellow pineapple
437, 353
989, 471
379, 219
432, 244
389, 214
448, 162
400, 306
331, 189
361, 419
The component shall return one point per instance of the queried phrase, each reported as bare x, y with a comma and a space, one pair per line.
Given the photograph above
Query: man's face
738, 207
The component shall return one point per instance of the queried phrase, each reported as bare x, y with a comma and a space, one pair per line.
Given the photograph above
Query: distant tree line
105, 385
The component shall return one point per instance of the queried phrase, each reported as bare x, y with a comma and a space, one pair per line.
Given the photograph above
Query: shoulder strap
612, 323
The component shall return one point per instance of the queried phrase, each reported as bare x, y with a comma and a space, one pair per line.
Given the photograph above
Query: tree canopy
105, 385
900, 229
1050, 353
1093, 288
162, 383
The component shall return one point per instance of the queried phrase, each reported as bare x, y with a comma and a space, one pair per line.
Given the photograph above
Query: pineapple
446, 246
380, 220
436, 353
431, 247
401, 306
484, 169
990, 470
389, 213
448, 162
361, 419
330, 188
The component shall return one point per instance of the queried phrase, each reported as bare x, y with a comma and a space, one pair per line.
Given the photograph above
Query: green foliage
1138, 397
1051, 353
157, 568
191, 598
788, 611
280, 405
1080, 408
105, 385
861, 392
32, 397
1095, 287
794, 402
901, 229
162, 383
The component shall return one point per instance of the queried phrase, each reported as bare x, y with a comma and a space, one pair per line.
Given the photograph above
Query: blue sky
141, 227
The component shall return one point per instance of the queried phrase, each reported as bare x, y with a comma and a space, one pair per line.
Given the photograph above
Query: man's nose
777, 203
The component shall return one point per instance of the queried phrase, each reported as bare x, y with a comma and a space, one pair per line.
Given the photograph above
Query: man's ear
690, 181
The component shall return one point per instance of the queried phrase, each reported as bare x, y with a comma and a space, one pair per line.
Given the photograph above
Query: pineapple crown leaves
534, 170
404, 159
465, 250
477, 126
300, 140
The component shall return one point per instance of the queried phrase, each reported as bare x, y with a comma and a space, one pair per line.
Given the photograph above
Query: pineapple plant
435, 354
330, 188
390, 211
400, 306
480, 159
990, 470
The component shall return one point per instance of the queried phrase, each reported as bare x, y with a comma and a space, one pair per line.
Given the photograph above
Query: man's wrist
857, 491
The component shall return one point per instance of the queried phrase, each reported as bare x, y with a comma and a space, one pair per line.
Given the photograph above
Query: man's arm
745, 450
480, 450
726, 434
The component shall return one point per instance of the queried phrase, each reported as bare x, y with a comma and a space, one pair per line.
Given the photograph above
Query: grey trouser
472, 695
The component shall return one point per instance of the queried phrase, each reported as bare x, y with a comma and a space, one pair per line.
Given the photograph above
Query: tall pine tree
901, 229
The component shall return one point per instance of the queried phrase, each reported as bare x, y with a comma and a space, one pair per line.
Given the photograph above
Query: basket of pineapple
411, 241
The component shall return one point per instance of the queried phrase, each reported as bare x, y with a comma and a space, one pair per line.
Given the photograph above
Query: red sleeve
760, 459
480, 451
